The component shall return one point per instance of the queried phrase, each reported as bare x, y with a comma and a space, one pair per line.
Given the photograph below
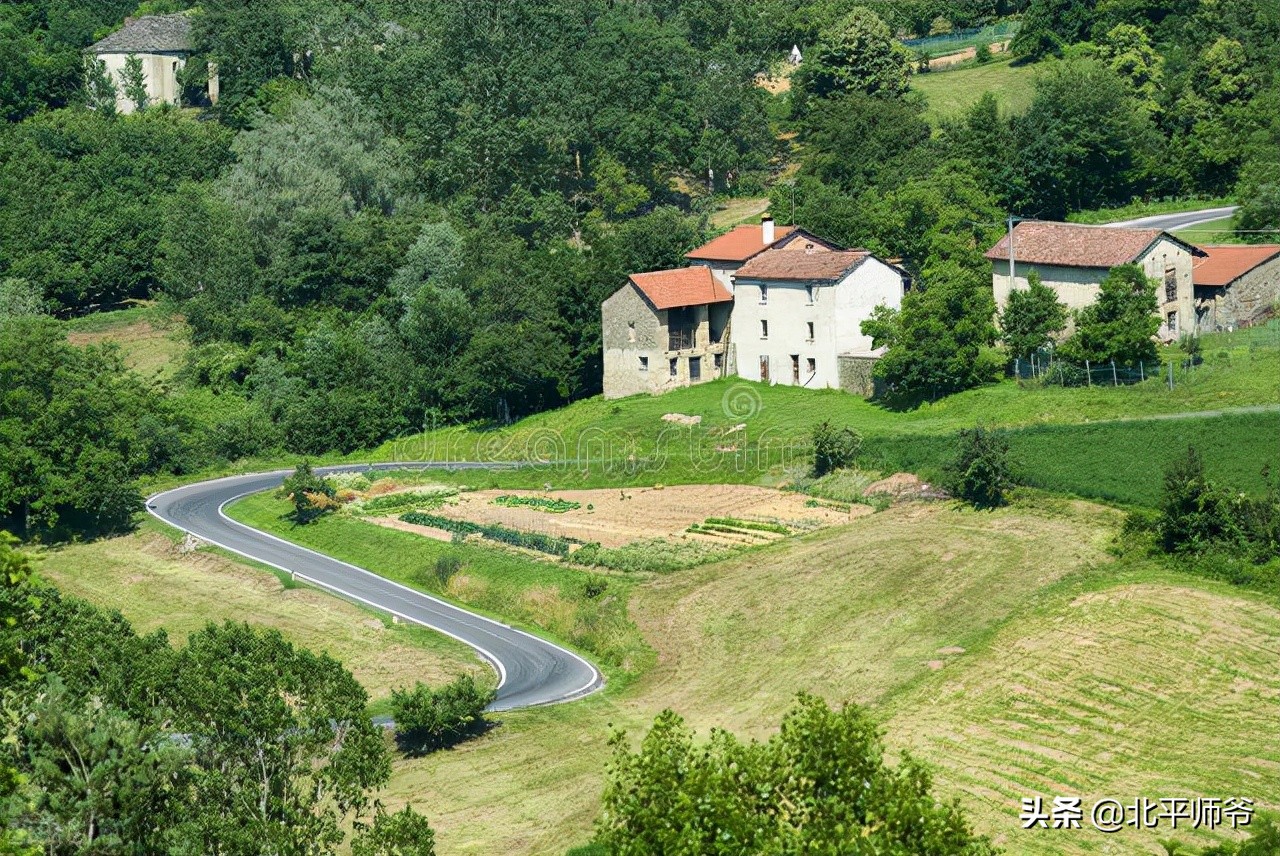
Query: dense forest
400, 214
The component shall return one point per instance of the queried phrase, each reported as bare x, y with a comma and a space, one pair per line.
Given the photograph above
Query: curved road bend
1180, 220
531, 671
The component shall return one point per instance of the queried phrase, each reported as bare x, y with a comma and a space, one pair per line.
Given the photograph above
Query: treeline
237, 743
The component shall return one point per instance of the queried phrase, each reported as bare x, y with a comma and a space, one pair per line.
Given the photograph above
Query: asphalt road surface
531, 671
1181, 220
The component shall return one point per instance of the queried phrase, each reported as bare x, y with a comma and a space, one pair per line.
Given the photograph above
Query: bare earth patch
616, 517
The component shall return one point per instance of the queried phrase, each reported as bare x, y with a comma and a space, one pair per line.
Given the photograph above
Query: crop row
757, 525
462, 528
553, 506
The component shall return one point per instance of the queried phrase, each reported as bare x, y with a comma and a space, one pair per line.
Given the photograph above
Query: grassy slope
1213, 232
627, 441
866, 613
154, 586
1144, 209
151, 342
953, 91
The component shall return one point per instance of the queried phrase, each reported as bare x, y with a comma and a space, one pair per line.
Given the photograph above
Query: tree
938, 342
854, 141
286, 747
1127, 50
428, 719
134, 81
1032, 318
1193, 513
1120, 324
834, 448
979, 474
405, 833
1049, 25
857, 54
310, 494
818, 784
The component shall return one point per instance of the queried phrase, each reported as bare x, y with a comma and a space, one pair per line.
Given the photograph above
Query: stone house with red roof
776, 306
1073, 259
1236, 285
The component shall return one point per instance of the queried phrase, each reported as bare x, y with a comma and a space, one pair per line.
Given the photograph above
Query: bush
310, 494
428, 719
446, 566
1062, 373
980, 472
834, 448
982, 53
1196, 515
594, 586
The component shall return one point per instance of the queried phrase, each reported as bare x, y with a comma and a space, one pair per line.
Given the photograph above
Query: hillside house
1073, 260
725, 254
163, 44
790, 313
1236, 285
663, 330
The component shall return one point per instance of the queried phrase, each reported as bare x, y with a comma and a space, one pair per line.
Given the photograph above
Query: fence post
1115, 380
1088, 374
1017, 368
1142, 370
1170, 374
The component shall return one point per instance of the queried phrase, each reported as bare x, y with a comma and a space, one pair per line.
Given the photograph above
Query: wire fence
960, 39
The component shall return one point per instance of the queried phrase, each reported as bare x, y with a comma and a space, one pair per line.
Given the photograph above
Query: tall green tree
1032, 318
857, 54
134, 82
818, 784
1120, 325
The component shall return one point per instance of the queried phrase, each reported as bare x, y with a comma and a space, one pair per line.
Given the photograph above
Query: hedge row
462, 528
760, 526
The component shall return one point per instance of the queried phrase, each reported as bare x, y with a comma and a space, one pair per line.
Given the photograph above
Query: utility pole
1012, 277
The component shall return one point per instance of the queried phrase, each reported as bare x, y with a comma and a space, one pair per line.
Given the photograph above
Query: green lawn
151, 342
1213, 232
1134, 210
951, 92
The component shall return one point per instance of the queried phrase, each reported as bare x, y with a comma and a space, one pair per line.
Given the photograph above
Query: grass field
953, 91
1213, 232
155, 586
151, 342
1138, 209
948, 625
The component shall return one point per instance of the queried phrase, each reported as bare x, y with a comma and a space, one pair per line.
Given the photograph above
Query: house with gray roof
163, 45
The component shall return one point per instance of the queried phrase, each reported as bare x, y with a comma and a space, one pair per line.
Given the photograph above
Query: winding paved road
1181, 220
531, 671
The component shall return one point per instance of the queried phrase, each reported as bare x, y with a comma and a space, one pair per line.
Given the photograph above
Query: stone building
775, 308
163, 44
665, 329
1236, 285
1073, 260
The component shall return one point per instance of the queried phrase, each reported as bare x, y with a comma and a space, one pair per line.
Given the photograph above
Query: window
808, 293
644, 364
812, 366
1170, 284
764, 295
631, 331
764, 369
1173, 323
674, 372
809, 327
695, 368
795, 368
764, 329
717, 360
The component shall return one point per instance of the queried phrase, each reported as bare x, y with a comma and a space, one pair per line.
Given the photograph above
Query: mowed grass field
1009, 649
953, 91
151, 342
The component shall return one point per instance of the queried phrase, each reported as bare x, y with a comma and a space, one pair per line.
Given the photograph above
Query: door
764, 369
795, 368
695, 369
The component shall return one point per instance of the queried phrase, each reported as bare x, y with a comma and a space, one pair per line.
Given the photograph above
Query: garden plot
614, 518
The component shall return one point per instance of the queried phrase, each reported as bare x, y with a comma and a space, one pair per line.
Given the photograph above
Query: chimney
766, 229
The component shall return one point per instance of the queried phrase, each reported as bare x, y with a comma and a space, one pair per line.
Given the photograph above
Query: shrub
310, 494
428, 719
979, 474
982, 53
834, 448
1062, 373
445, 568
594, 586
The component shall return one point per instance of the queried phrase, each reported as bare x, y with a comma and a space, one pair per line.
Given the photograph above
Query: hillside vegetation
950, 92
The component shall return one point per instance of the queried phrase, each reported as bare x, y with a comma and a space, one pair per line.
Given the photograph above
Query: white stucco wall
836, 312
722, 271
161, 71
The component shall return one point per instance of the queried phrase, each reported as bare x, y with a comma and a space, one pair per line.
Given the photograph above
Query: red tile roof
1226, 264
738, 244
1074, 245
826, 266
691, 286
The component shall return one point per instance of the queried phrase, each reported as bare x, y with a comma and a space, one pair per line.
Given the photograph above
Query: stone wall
856, 375
1251, 298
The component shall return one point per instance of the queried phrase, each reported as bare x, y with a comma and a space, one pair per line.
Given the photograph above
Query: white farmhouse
799, 309
163, 44
775, 306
